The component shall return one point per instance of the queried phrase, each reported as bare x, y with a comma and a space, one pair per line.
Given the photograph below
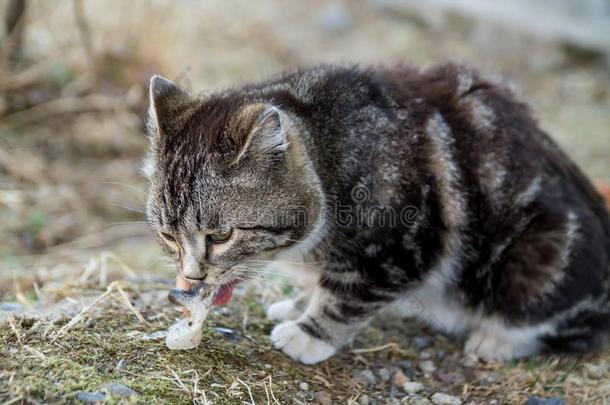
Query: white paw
298, 345
283, 310
489, 346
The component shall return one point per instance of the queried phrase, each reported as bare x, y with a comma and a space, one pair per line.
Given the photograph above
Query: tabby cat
388, 184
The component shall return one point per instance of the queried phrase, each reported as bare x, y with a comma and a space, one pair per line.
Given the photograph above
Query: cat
433, 186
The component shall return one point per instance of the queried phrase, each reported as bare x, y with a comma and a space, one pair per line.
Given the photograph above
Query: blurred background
73, 77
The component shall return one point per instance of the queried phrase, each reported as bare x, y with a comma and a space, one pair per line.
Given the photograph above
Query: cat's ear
167, 100
267, 132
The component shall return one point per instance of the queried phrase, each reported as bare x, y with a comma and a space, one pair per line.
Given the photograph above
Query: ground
82, 284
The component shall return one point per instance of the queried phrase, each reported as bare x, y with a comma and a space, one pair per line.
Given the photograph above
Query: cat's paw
490, 346
300, 346
283, 310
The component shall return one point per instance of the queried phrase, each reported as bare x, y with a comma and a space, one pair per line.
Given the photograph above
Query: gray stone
492, 377
415, 400
118, 389
407, 367
441, 398
303, 386
427, 366
595, 371
160, 334
425, 355
412, 387
227, 333
470, 360
366, 377
421, 342
384, 374
543, 401
324, 398
90, 396
364, 400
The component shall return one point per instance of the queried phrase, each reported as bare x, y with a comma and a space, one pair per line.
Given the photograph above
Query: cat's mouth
224, 294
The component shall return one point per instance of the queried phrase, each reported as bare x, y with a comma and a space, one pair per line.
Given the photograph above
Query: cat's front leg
289, 308
306, 278
329, 322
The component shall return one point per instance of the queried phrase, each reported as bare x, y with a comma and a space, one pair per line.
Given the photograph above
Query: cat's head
230, 185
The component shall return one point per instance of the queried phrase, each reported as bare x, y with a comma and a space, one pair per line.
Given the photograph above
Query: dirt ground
82, 284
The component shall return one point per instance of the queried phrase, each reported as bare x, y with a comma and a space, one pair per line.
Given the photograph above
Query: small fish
187, 333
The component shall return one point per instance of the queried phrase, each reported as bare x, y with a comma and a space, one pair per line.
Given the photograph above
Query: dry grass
76, 254
53, 360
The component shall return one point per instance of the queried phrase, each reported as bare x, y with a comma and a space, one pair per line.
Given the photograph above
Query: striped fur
432, 190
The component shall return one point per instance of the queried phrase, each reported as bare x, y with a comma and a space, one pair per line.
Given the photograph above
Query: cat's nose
192, 271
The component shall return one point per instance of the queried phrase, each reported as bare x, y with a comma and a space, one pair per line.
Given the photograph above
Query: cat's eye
220, 237
168, 237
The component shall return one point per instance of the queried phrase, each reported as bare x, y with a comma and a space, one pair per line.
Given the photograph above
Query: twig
14, 400
87, 42
89, 269
249, 390
35, 352
266, 392
14, 21
82, 313
107, 255
33, 74
376, 349
130, 305
11, 323
67, 105
271, 391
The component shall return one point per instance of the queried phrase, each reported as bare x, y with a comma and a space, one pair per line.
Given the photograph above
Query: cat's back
502, 154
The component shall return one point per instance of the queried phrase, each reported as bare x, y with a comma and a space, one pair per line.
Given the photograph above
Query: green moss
86, 358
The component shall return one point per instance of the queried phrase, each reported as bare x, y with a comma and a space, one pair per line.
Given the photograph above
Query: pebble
425, 355
445, 399
543, 401
90, 396
490, 378
227, 333
364, 400
118, 389
407, 368
595, 371
470, 360
366, 377
399, 378
160, 334
412, 387
427, 366
415, 400
384, 374
324, 398
421, 342
303, 386
449, 378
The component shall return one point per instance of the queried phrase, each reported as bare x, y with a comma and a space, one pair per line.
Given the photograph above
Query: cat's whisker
126, 207
308, 263
141, 190
128, 223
